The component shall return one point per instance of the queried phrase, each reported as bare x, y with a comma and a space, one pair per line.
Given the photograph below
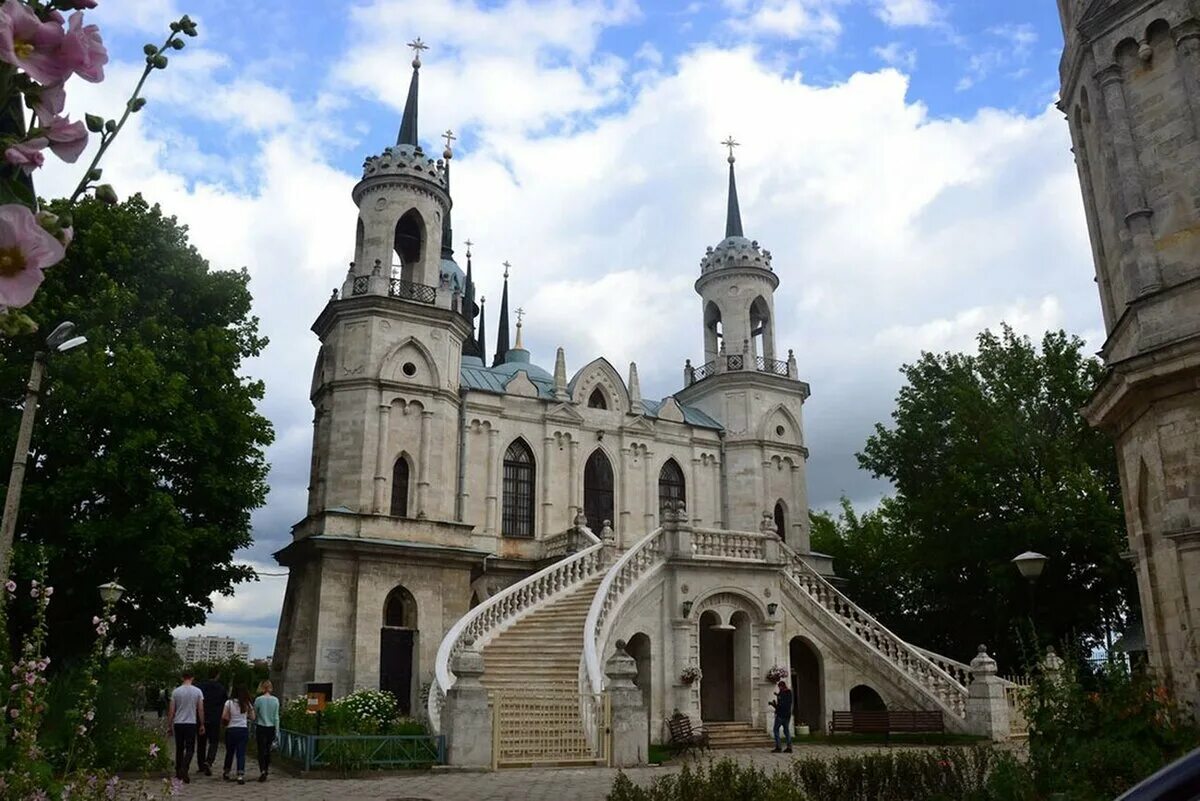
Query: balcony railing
409, 290
739, 362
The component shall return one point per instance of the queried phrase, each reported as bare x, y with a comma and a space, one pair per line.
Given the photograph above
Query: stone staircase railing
568, 542
934, 681
960, 671
720, 544
505, 608
635, 566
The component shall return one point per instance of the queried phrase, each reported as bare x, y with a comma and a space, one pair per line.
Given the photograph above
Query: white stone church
465, 500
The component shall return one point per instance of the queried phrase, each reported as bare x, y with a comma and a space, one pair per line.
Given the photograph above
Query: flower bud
94, 174
94, 123
160, 62
107, 195
150, 50
137, 104
177, 44
110, 126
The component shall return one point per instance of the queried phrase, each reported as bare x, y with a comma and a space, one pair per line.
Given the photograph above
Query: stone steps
736, 734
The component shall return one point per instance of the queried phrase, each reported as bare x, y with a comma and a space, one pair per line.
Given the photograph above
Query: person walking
266, 711
783, 717
185, 719
236, 716
214, 703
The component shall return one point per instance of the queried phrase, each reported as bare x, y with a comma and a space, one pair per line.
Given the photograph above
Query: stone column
426, 458
767, 651
381, 449
574, 479
719, 517
630, 729
1146, 273
691, 491
492, 481
1187, 45
547, 449
467, 717
799, 542
687, 696
651, 489
987, 706
623, 508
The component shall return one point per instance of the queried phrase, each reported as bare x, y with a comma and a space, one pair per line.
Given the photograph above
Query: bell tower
743, 383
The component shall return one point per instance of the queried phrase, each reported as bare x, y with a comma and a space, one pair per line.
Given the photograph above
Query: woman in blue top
266, 708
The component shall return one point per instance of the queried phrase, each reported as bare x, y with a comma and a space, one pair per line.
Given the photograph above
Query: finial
417, 46
520, 317
507, 266
449, 136
483, 298
468, 243
731, 143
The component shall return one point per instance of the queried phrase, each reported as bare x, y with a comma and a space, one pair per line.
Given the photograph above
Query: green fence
355, 752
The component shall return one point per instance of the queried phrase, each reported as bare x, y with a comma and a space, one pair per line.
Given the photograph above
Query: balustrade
743, 545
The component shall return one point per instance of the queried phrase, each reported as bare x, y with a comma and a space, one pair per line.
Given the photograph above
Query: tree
990, 457
148, 453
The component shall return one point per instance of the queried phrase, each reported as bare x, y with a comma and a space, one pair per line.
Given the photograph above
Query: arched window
400, 488
780, 520
409, 242
400, 609
713, 330
762, 335
597, 400
865, 699
517, 520
597, 490
670, 485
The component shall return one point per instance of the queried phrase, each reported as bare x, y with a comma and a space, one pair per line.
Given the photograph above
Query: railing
1016, 692
774, 366
737, 362
410, 290
960, 671
716, 544
355, 751
931, 679
361, 284
568, 542
502, 610
635, 564
543, 725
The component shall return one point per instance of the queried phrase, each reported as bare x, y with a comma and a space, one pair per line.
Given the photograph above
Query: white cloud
1008, 47
788, 19
903, 13
897, 55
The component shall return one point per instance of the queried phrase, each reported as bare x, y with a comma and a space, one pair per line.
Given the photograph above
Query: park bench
892, 721
683, 735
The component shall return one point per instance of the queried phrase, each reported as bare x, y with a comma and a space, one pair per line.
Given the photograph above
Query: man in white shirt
185, 719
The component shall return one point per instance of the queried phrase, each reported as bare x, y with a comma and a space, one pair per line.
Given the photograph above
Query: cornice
389, 308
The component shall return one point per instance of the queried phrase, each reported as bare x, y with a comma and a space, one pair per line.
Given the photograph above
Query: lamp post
61, 340
110, 593
1031, 564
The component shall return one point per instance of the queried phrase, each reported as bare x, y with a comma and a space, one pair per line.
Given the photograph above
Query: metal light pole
59, 341
1031, 564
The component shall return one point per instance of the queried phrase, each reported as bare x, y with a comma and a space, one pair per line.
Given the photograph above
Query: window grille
517, 519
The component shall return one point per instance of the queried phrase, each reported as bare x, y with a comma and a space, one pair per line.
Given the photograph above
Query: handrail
961, 671
922, 671
637, 562
504, 608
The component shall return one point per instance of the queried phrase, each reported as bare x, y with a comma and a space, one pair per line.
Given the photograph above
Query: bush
362, 712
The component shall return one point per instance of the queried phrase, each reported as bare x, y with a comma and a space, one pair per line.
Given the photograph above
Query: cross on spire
731, 143
449, 137
520, 315
469, 243
506, 269
417, 46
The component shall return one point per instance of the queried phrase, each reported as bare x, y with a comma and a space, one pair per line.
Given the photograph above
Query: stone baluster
986, 705
467, 716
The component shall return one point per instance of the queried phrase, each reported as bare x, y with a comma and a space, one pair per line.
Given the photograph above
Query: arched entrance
398, 647
638, 647
716, 667
807, 680
597, 490
865, 699
780, 520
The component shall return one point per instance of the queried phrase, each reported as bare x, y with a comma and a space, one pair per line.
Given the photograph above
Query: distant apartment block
206, 648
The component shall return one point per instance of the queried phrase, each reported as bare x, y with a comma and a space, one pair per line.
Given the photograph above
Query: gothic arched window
409, 242
517, 520
597, 490
597, 400
780, 520
400, 487
400, 609
670, 485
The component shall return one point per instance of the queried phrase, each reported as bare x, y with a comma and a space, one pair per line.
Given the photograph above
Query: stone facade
1131, 93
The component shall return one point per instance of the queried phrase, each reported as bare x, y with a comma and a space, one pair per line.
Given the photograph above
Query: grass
893, 739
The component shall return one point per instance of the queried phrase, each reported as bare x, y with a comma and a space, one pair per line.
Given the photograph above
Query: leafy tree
148, 453
990, 457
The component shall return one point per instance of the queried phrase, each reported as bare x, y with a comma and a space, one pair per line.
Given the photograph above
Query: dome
516, 360
452, 276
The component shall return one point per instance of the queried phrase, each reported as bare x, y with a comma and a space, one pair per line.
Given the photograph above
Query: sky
902, 160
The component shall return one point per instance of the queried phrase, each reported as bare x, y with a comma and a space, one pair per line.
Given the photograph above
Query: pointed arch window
597, 490
671, 489
597, 400
409, 242
780, 520
400, 488
517, 520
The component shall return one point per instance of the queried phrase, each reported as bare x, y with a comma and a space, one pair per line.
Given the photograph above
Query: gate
549, 726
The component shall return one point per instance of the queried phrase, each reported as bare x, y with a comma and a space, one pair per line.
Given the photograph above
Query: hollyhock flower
83, 50
30, 678
50, 101
12, 713
49, 591
90, 715
10, 585
67, 139
27, 155
25, 250
31, 44
154, 749
95, 620
35, 592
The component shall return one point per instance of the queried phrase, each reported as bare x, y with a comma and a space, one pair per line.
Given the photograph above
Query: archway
597, 490
400, 473
671, 487
398, 647
409, 242
762, 336
713, 331
865, 699
716, 667
638, 647
807, 679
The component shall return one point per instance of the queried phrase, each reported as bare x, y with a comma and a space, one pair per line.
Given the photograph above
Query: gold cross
449, 137
506, 266
731, 144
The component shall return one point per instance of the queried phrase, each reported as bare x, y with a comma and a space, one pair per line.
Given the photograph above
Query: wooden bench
892, 721
683, 736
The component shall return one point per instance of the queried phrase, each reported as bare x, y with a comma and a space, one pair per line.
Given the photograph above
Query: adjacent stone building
1131, 92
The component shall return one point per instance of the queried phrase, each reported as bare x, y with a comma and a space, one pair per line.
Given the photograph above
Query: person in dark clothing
214, 701
783, 717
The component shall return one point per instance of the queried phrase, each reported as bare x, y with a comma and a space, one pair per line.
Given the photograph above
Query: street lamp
1031, 564
111, 592
61, 340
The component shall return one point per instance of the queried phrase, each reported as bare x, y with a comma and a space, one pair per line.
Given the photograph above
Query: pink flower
83, 4
50, 101
154, 749
95, 620
31, 44
67, 139
90, 715
49, 591
83, 50
12, 713
27, 155
35, 592
10, 585
25, 250
30, 678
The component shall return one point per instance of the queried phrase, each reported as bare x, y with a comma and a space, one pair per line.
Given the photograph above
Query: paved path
546, 784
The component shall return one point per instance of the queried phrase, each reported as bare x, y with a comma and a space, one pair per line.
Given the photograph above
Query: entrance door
716, 668
597, 490
395, 665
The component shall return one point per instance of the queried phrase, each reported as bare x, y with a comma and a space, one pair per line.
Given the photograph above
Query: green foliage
990, 457
233, 673
149, 446
363, 712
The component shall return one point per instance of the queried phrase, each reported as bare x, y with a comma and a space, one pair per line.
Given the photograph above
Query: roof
691, 415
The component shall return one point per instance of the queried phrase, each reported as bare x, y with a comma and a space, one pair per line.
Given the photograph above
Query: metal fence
354, 751
409, 290
549, 726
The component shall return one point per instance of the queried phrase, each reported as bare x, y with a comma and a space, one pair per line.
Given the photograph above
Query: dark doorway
597, 490
780, 520
397, 647
716, 668
400, 488
806, 684
409, 243
639, 648
865, 699
671, 489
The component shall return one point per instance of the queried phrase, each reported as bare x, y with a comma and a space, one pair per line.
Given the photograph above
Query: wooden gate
549, 726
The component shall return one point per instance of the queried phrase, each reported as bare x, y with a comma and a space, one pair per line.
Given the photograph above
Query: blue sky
901, 158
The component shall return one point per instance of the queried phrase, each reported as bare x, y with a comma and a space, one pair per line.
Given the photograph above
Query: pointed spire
447, 230
520, 322
482, 329
408, 123
502, 331
560, 375
733, 215
635, 389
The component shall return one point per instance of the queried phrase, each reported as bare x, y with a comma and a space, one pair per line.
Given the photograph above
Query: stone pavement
540, 784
